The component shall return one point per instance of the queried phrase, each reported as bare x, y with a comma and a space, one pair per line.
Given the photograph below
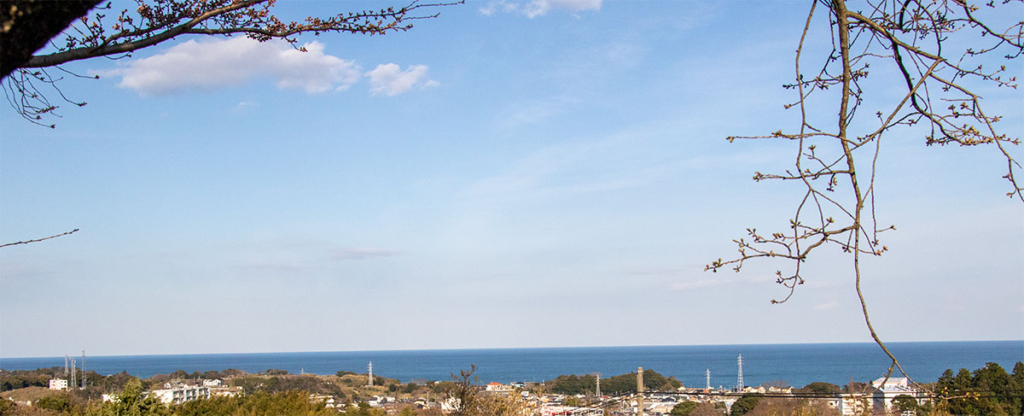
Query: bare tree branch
100, 34
39, 239
919, 40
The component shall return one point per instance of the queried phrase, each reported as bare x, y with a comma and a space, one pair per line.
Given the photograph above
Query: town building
58, 384
570, 411
181, 394
853, 404
494, 386
888, 390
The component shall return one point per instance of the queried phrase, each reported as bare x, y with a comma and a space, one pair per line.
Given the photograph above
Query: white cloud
825, 306
536, 8
243, 106
391, 80
225, 62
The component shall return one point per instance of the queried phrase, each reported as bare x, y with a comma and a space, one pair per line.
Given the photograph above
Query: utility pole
640, 391
371, 375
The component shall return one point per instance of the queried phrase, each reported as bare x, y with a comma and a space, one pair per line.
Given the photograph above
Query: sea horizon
796, 363
2, 357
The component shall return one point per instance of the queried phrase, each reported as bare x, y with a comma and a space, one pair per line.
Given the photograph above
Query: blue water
797, 364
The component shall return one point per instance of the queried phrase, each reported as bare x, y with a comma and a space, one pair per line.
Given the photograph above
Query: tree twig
39, 239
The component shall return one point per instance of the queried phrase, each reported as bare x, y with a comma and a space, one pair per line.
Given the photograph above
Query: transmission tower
739, 375
74, 367
83, 369
708, 385
597, 377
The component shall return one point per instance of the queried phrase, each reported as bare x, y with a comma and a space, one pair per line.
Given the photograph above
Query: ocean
795, 364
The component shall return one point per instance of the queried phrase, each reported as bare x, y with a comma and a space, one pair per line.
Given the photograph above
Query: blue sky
511, 174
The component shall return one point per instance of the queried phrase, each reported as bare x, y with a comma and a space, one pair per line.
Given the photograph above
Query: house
327, 400
181, 394
226, 391
493, 386
59, 384
888, 390
853, 404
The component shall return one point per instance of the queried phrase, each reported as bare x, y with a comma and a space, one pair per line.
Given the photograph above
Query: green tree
7, 407
820, 387
905, 403
1003, 398
132, 401
683, 408
745, 404
57, 402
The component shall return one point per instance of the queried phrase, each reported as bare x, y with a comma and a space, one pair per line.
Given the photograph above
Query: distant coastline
796, 364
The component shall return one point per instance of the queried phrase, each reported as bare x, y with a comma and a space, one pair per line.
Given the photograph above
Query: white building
853, 404
570, 411
893, 388
181, 394
58, 384
494, 386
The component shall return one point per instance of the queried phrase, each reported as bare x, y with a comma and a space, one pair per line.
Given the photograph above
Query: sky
540, 173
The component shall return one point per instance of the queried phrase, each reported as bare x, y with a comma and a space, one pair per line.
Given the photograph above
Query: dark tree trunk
26, 26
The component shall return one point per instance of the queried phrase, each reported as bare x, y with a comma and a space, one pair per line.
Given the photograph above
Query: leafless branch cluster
923, 42
108, 33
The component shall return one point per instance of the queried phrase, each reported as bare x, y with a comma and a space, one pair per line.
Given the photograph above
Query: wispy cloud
698, 284
566, 169
534, 111
286, 256
391, 80
827, 306
226, 62
351, 253
537, 8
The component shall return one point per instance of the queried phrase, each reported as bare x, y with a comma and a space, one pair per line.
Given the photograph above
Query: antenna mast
74, 367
